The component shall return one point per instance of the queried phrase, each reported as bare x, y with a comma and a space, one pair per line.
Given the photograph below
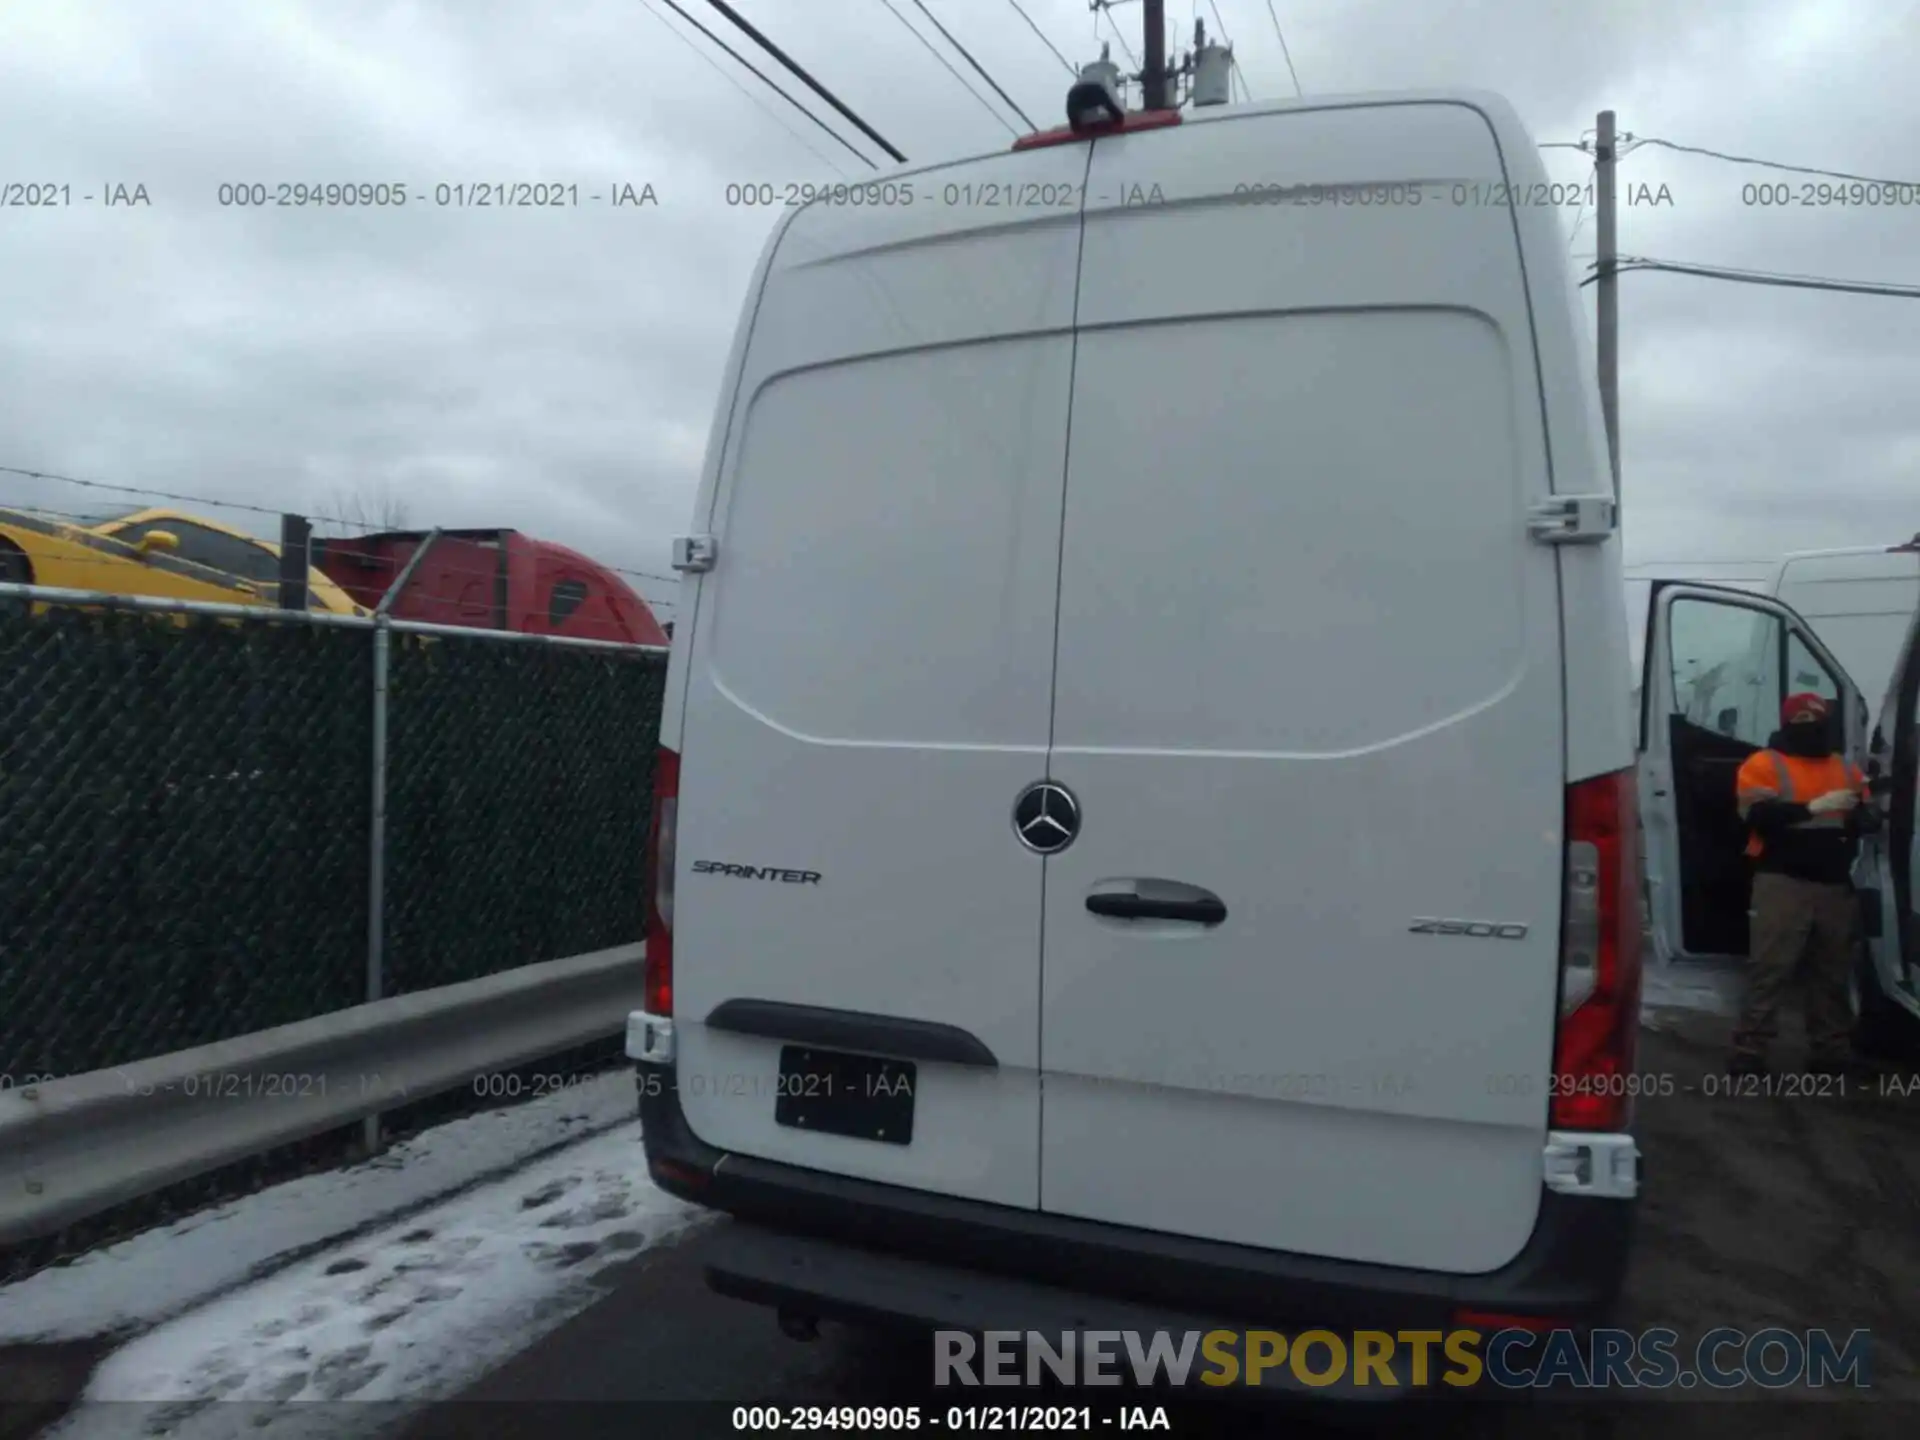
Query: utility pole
1153, 76
1606, 288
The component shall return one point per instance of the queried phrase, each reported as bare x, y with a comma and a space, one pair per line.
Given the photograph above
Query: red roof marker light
1127, 123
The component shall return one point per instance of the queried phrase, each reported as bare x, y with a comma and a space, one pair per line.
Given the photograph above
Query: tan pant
1800, 928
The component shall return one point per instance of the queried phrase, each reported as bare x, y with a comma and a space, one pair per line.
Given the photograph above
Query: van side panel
869, 679
1310, 662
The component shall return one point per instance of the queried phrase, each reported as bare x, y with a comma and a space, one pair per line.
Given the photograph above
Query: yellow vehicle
153, 552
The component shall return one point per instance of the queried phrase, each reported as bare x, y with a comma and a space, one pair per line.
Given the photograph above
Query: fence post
296, 547
377, 843
377, 838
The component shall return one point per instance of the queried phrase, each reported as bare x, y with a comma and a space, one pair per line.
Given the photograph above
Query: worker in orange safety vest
1805, 806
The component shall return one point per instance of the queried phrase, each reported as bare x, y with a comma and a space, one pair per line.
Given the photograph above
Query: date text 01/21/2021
807, 1086
248, 1085
901, 1419
211, 1085
462, 195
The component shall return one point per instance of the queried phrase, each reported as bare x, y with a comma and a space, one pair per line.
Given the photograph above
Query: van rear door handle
1140, 907
1141, 897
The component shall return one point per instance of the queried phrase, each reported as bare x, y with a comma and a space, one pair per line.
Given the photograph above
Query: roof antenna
1096, 98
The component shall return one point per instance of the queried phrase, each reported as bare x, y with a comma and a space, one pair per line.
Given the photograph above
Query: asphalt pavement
1797, 1212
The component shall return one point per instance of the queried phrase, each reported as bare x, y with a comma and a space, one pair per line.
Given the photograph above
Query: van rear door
1719, 662
869, 677
1300, 973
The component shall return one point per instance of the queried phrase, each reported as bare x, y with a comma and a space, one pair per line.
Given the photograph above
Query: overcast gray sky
555, 370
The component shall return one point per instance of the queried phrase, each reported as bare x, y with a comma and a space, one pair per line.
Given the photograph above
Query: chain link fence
537, 762
186, 819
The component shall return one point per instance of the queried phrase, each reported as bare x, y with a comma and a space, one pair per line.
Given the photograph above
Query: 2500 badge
1478, 929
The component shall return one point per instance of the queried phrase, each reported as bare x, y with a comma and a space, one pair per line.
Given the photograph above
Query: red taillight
1599, 1027
1491, 1322
1067, 135
657, 885
669, 1173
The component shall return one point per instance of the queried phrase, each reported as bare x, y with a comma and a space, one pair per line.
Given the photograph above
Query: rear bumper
835, 1281
1570, 1269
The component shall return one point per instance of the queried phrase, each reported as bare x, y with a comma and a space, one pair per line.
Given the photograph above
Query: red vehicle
491, 580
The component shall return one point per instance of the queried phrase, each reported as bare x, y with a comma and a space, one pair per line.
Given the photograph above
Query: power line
1787, 279
1770, 164
949, 67
1283, 49
755, 99
1745, 270
812, 84
976, 65
1761, 277
1043, 37
1102, 7
674, 4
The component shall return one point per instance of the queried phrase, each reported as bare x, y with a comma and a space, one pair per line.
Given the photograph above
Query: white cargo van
1719, 662
1726, 669
1145, 794
1859, 602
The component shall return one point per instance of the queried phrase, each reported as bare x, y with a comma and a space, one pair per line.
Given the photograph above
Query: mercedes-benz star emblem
1046, 817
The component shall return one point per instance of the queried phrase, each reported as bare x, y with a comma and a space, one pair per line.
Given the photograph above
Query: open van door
1718, 664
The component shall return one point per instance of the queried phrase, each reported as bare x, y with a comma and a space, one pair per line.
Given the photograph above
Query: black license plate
835, 1093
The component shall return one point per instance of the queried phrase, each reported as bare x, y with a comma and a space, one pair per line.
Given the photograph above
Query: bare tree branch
371, 507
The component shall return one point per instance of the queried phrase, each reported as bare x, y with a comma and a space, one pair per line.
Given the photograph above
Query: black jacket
1824, 856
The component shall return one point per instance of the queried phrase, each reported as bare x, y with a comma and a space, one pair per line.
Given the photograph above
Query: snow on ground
410, 1313
398, 1280
1714, 994
1712, 989
169, 1270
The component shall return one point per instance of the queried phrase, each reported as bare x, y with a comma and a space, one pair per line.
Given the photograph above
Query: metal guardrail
74, 1147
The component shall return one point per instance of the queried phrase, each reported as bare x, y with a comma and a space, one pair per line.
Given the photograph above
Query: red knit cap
1805, 705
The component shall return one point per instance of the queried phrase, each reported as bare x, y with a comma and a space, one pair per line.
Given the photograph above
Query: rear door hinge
1574, 519
695, 553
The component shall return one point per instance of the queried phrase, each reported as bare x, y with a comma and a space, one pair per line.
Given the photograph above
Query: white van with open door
1719, 663
1858, 601
1146, 811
